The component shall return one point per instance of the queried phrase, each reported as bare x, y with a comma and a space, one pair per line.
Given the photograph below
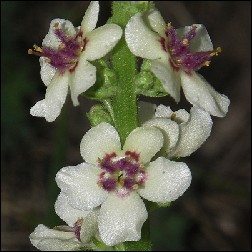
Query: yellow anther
218, 49
185, 41
135, 187
62, 46
169, 25
194, 26
206, 63
56, 26
173, 116
47, 60
30, 51
37, 48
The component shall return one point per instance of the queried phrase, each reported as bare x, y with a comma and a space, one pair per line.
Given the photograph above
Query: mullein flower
183, 132
175, 55
116, 178
64, 57
82, 226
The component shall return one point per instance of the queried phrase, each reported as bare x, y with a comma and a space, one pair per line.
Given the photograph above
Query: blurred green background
213, 214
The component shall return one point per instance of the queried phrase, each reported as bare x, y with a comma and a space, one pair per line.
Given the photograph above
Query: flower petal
193, 133
141, 40
55, 97
146, 141
169, 128
102, 40
90, 18
46, 239
166, 181
51, 40
163, 111
79, 184
200, 93
157, 22
201, 42
98, 141
83, 77
168, 77
66, 212
89, 226
121, 218
47, 71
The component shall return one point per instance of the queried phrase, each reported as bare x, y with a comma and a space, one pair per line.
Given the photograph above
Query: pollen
207, 63
216, 52
37, 48
135, 187
169, 25
185, 41
30, 51
62, 46
173, 116
56, 26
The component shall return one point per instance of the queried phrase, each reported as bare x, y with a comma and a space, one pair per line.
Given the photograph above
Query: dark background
213, 214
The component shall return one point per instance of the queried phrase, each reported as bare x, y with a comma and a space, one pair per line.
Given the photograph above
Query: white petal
90, 18
169, 128
157, 22
121, 219
102, 40
47, 71
83, 77
98, 141
181, 116
168, 77
51, 40
79, 183
200, 93
146, 111
59, 245
141, 40
201, 42
146, 141
55, 97
163, 111
66, 212
193, 133
46, 239
89, 226
166, 180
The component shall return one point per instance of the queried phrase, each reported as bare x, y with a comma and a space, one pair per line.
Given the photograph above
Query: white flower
183, 133
82, 226
64, 59
176, 55
114, 178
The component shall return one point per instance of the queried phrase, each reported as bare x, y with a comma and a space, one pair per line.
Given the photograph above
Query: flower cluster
102, 200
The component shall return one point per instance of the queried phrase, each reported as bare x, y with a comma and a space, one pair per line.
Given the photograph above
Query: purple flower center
179, 49
65, 57
121, 174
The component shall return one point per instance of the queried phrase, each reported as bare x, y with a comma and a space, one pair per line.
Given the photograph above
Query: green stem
124, 64
124, 102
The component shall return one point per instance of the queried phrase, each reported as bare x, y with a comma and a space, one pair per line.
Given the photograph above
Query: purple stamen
180, 55
109, 184
128, 183
123, 175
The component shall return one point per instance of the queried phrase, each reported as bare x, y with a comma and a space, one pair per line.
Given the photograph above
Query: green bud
99, 114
